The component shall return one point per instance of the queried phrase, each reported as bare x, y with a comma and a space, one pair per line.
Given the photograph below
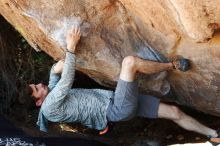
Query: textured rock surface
114, 29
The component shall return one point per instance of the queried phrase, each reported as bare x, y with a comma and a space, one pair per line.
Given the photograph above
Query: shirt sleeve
53, 79
61, 89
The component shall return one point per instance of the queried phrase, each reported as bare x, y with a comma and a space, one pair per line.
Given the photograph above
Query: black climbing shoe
181, 64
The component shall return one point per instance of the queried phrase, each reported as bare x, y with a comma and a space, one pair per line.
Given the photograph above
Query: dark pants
127, 103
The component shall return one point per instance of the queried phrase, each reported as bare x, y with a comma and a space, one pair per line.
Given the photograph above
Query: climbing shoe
181, 64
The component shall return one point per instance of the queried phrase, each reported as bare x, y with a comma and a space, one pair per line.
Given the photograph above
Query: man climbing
95, 107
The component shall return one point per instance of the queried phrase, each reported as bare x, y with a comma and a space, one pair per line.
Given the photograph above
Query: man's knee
176, 113
129, 62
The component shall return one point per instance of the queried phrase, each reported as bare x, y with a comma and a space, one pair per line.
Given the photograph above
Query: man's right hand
73, 38
58, 68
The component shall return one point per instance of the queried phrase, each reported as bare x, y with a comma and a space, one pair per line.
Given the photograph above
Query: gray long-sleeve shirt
63, 104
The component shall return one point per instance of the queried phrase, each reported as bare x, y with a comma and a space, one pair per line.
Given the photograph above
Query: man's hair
25, 95
28, 90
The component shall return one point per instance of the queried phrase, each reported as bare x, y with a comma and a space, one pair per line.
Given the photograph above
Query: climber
94, 108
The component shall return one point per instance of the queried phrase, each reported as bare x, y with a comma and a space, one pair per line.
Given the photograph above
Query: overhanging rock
114, 29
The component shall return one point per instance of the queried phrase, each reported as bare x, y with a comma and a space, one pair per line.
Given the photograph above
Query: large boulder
113, 29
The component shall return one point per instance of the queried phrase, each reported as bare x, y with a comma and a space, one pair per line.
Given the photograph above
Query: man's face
40, 91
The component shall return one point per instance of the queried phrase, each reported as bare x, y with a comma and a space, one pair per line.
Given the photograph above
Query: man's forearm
58, 68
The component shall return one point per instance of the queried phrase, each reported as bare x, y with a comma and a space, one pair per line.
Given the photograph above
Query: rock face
113, 29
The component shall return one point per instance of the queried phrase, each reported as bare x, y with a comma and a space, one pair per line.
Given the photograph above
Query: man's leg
176, 115
125, 102
131, 65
